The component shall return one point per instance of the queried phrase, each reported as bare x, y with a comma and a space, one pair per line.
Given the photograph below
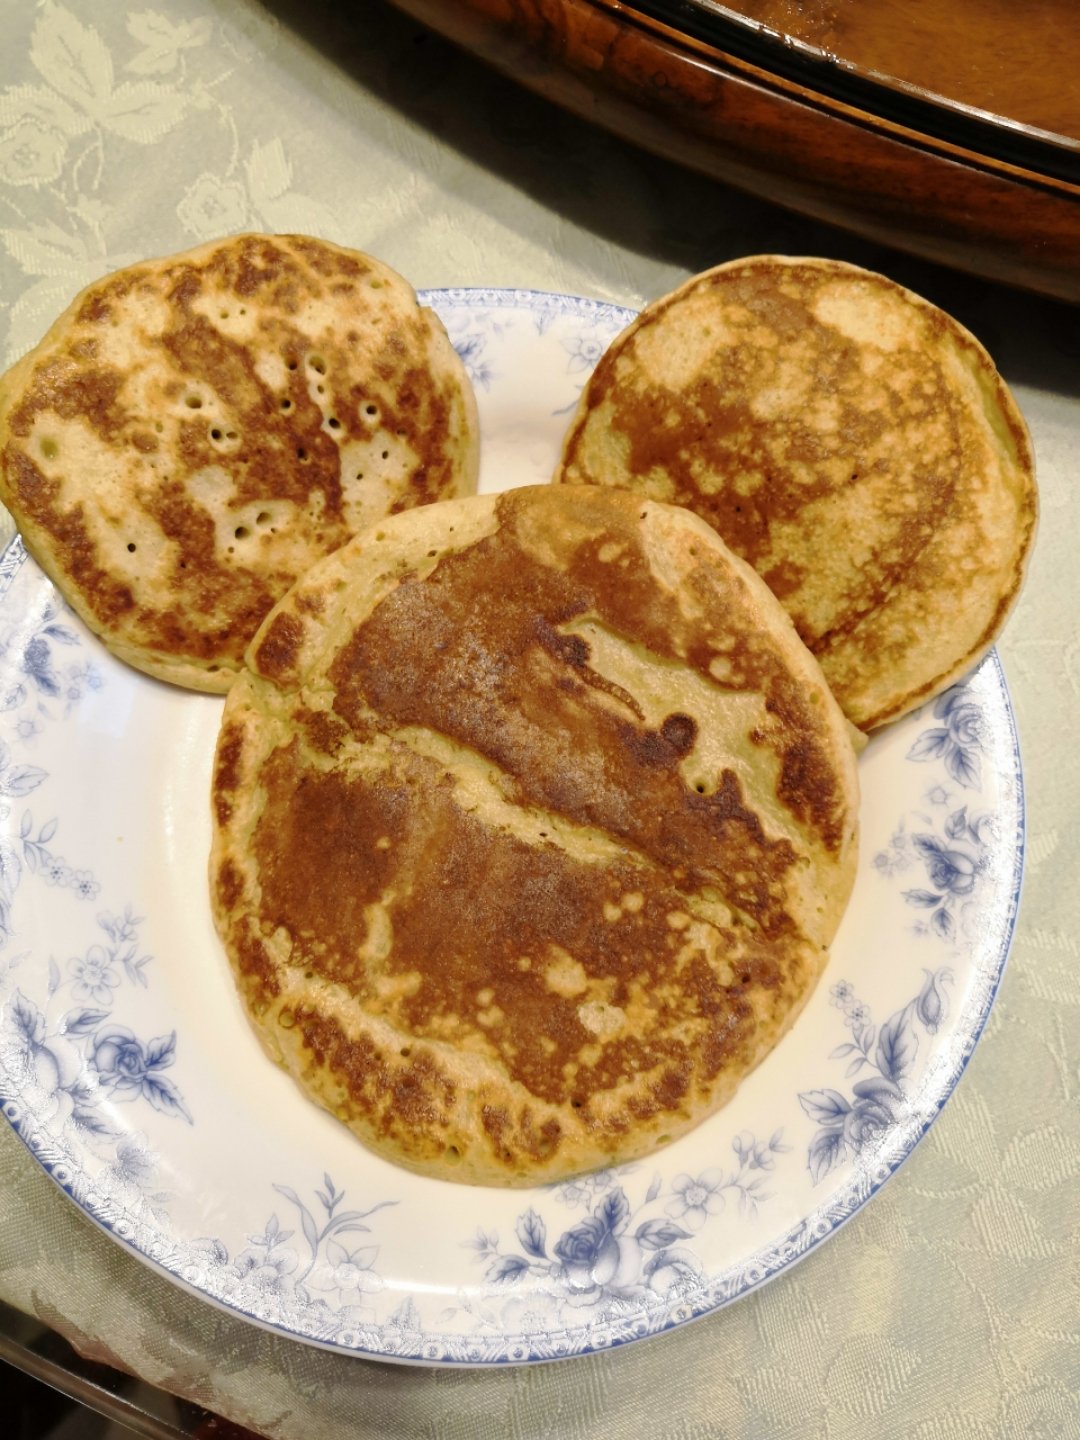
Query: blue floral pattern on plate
888, 1056
953, 846
619, 1254
129, 1072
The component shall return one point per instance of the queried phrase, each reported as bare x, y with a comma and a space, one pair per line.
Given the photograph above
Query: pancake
533, 821
852, 442
194, 432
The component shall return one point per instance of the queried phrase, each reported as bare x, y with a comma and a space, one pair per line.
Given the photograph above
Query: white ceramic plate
129, 1070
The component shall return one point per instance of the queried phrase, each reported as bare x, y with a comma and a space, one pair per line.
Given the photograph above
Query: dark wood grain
685, 99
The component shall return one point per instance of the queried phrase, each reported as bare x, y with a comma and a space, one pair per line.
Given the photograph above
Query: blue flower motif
757, 1154
930, 1006
131, 1070
589, 1252
879, 1101
584, 351
953, 866
585, 1190
616, 1252
470, 349
134, 1164
56, 871
37, 664
95, 978
267, 1270
965, 724
877, 1107
949, 870
269, 1264
696, 1198
57, 1064
84, 885
958, 742
35, 658
350, 1273
118, 1057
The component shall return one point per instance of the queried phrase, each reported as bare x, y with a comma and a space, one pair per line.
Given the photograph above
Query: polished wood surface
685, 98
1019, 62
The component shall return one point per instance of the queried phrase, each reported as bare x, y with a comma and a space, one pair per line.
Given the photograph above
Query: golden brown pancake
533, 821
194, 432
850, 441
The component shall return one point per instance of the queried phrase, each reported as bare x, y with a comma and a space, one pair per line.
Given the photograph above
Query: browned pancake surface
195, 432
511, 883
850, 441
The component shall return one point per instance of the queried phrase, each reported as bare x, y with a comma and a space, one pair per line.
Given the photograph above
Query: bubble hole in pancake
533, 822
851, 441
194, 432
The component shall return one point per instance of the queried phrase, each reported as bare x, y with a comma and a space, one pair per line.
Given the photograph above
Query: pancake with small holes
533, 821
851, 441
194, 432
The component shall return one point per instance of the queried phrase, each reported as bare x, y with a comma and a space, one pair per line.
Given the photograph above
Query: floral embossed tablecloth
950, 1306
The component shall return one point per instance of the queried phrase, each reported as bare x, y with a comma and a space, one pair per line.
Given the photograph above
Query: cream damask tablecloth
949, 1308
